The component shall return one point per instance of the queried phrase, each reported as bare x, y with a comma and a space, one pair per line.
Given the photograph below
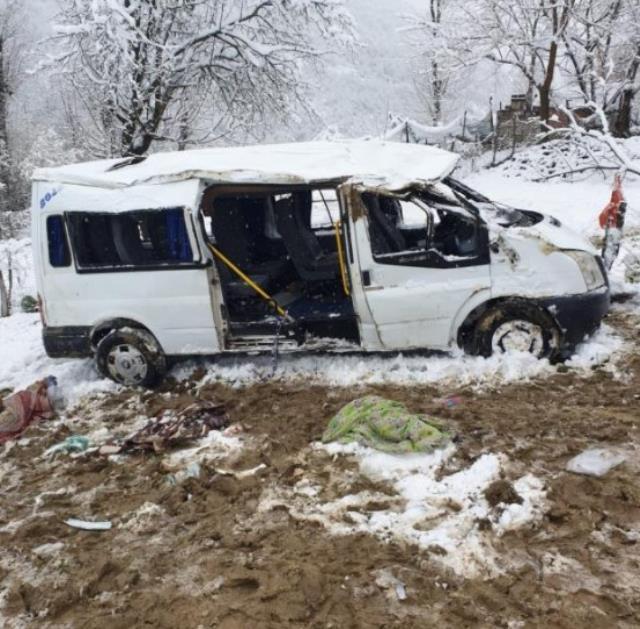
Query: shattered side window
140, 239
325, 209
397, 229
59, 254
418, 232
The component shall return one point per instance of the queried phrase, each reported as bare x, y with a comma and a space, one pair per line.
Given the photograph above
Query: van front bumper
67, 342
578, 316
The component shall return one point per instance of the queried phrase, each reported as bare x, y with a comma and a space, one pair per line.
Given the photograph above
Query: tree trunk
5, 309
7, 198
622, 123
545, 102
545, 88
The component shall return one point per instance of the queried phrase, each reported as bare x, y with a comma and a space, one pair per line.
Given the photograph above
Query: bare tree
589, 46
10, 60
145, 70
524, 34
601, 57
431, 33
628, 60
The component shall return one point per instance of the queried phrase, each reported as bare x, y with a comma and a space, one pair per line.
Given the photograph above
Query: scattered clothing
165, 432
20, 410
387, 426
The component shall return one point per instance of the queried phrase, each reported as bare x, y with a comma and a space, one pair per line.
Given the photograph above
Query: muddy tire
131, 357
516, 326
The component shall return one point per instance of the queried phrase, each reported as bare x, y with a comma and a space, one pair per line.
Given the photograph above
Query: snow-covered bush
569, 160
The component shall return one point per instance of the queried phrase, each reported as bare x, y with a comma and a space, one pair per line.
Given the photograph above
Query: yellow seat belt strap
343, 267
247, 280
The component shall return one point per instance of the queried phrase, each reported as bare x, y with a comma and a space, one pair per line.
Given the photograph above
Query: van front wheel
131, 357
517, 326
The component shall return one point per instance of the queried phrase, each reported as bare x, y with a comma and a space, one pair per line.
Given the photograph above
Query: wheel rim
518, 336
127, 364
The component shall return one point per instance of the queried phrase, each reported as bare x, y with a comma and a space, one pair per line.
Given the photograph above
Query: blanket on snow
20, 410
387, 426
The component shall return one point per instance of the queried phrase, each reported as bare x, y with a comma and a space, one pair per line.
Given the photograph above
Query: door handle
366, 278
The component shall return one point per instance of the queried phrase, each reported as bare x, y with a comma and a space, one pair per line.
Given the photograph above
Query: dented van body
335, 246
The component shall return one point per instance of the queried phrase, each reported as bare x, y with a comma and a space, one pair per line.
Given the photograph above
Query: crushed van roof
387, 164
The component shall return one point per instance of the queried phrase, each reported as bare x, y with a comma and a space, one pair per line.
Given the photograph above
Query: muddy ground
198, 552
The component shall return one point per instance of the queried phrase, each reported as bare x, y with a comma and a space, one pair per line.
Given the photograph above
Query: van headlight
589, 267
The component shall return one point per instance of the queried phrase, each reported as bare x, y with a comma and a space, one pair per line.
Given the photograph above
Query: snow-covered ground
456, 368
576, 204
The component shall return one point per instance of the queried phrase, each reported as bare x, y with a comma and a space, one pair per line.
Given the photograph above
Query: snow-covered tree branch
148, 69
523, 34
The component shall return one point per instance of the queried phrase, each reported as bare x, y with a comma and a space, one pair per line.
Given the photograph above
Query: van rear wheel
517, 326
131, 357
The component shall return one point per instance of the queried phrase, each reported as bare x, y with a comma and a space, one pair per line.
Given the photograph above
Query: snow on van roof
374, 162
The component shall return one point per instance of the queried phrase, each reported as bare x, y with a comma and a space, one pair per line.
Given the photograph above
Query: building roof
386, 164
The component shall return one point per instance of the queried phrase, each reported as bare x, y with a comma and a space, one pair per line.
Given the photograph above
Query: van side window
423, 233
59, 254
397, 228
140, 239
325, 209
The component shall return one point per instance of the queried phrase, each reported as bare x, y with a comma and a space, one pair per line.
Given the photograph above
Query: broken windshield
503, 215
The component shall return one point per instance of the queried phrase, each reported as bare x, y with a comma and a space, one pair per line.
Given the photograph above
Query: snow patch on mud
24, 361
457, 368
448, 516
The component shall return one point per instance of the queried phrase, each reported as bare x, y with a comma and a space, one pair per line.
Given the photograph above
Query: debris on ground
88, 526
595, 462
385, 425
75, 443
194, 470
450, 402
171, 431
241, 474
386, 581
19, 410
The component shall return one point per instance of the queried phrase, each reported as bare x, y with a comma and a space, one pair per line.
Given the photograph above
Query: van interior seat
383, 217
293, 219
238, 226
